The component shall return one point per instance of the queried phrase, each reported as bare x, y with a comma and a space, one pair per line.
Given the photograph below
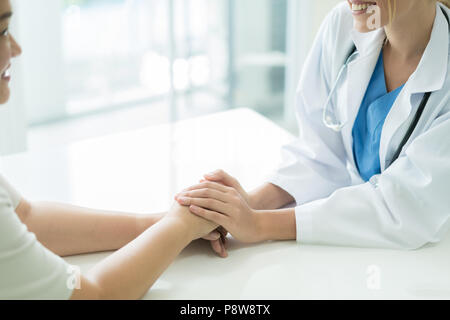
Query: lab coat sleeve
314, 165
408, 207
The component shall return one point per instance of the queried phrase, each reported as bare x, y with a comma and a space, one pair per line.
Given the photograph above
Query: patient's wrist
145, 221
184, 231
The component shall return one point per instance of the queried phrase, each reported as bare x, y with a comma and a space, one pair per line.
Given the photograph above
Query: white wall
43, 87
252, 44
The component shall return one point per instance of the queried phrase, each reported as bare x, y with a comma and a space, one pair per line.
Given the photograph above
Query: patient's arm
69, 230
147, 257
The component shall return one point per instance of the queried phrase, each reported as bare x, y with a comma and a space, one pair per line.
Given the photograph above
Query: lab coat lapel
358, 77
429, 76
400, 112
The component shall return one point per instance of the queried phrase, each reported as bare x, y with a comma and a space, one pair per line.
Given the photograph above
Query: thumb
223, 177
214, 235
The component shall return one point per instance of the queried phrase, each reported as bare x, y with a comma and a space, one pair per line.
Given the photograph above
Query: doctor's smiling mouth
360, 7
371, 15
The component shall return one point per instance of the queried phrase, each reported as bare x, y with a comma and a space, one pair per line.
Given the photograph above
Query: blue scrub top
369, 123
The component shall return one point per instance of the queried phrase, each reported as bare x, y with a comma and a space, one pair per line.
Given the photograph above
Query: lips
361, 2
360, 7
6, 75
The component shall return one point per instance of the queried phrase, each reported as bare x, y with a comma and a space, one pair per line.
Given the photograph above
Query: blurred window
122, 53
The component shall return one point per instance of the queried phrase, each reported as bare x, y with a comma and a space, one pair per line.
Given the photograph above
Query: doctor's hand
224, 178
224, 206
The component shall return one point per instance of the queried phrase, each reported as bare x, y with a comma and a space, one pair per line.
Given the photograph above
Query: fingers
222, 230
204, 193
219, 248
217, 218
222, 176
208, 185
211, 204
224, 241
219, 233
218, 241
215, 235
224, 252
216, 246
223, 235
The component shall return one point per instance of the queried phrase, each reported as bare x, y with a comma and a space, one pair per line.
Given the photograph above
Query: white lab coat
408, 204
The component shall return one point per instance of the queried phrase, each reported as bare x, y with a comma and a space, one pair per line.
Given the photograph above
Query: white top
28, 270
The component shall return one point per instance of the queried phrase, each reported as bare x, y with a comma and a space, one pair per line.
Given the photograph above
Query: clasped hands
219, 198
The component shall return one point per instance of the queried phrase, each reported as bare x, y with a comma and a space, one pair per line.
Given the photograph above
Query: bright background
94, 67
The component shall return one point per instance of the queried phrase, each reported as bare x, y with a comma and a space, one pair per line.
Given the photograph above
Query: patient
33, 236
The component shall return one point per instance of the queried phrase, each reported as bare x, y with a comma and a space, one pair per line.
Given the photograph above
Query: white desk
140, 171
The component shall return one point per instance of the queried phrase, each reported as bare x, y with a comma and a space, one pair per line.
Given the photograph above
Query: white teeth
7, 73
360, 7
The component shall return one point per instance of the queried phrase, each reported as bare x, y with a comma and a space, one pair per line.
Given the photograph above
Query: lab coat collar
431, 72
366, 43
430, 75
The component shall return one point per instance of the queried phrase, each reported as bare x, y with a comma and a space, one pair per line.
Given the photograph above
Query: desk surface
140, 171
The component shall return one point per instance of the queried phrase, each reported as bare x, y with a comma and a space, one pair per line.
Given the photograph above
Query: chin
361, 27
4, 95
368, 18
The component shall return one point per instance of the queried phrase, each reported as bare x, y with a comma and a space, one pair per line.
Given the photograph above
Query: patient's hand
201, 228
218, 241
197, 226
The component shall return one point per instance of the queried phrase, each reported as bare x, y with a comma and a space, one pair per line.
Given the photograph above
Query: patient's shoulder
13, 194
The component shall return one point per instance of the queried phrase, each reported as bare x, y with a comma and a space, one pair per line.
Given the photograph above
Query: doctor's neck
410, 31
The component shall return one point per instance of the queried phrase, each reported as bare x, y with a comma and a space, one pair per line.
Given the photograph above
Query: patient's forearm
69, 230
129, 272
269, 197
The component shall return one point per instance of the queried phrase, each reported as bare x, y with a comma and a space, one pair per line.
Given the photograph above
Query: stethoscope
331, 120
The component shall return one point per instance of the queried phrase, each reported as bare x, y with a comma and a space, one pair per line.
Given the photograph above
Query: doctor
371, 167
